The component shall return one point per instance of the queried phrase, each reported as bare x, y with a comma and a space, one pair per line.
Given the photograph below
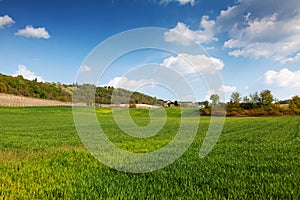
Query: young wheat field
42, 157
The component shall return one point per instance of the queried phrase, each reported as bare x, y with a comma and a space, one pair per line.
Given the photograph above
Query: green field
42, 157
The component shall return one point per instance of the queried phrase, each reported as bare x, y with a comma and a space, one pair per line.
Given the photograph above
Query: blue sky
254, 44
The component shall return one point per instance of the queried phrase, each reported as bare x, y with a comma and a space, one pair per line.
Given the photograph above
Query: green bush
3, 88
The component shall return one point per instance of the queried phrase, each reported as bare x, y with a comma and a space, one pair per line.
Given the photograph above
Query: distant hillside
108, 95
62, 92
23, 87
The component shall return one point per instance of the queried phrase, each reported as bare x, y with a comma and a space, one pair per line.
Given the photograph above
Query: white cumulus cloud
31, 32
223, 92
191, 64
255, 29
125, 83
27, 74
182, 34
283, 78
84, 68
266, 28
5, 21
227, 89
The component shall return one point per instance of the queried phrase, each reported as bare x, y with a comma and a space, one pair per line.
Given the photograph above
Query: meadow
42, 157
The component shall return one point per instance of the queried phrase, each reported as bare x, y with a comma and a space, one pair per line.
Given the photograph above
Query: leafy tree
294, 103
254, 98
215, 99
236, 98
176, 103
246, 99
207, 108
266, 98
205, 103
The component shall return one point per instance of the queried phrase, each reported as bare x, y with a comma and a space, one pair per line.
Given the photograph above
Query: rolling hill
20, 86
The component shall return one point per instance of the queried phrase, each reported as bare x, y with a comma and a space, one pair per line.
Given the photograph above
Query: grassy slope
41, 156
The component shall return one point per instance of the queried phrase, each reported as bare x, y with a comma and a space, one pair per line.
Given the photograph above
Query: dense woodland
20, 86
109, 95
57, 91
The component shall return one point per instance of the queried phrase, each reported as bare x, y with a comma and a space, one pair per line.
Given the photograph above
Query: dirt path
12, 100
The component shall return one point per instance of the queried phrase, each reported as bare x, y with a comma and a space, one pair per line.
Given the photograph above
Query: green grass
42, 157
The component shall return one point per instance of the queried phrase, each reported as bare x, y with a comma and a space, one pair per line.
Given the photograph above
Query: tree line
109, 95
256, 104
20, 86
62, 92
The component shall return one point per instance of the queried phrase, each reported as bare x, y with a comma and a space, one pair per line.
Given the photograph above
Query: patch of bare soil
12, 100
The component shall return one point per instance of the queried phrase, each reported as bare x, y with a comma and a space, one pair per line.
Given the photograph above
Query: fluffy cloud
84, 68
257, 29
183, 35
227, 89
5, 21
30, 31
22, 70
224, 92
181, 2
283, 78
191, 64
124, 82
